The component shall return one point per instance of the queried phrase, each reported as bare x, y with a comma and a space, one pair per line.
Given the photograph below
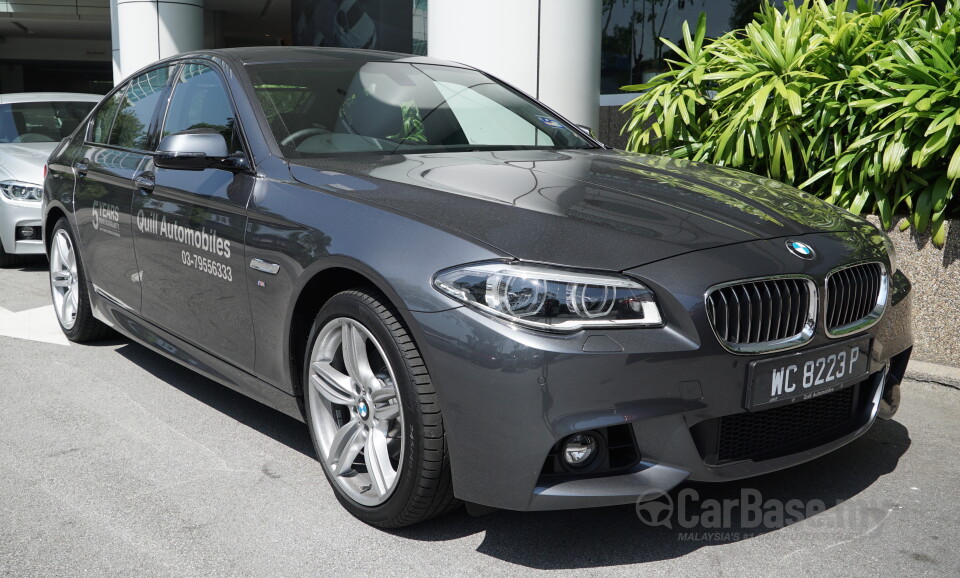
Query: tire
373, 414
68, 288
6, 259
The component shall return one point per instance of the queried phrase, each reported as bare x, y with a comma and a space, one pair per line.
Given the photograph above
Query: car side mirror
196, 151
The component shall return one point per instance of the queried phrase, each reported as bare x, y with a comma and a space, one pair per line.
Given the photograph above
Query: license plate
807, 374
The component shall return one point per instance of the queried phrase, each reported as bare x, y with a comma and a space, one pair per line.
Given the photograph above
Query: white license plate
808, 374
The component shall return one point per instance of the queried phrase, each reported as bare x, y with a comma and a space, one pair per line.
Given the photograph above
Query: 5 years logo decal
106, 218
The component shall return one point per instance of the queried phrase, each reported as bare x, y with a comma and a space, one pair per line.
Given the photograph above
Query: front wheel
373, 413
68, 287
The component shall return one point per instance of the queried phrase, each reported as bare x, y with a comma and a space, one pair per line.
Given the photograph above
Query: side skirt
205, 364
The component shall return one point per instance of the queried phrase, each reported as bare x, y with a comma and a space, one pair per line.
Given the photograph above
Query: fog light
26, 232
579, 450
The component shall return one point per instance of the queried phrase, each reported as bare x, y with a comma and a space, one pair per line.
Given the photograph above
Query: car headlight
18, 191
891, 251
551, 299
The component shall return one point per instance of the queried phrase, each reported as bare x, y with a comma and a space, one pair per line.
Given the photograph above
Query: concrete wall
935, 274
608, 130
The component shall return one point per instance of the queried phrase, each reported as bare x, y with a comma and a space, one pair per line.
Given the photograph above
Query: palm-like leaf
859, 106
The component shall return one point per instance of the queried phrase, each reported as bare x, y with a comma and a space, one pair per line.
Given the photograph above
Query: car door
116, 147
190, 226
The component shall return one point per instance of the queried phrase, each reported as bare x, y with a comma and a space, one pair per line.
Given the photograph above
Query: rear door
115, 149
189, 233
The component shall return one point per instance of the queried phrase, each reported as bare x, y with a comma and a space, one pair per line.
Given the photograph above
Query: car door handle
81, 167
144, 182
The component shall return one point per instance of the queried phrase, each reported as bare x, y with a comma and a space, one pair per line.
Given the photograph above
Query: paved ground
117, 462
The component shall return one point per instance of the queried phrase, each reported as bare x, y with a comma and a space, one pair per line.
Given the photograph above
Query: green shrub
858, 106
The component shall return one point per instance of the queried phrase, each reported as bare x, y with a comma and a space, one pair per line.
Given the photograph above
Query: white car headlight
19, 191
551, 299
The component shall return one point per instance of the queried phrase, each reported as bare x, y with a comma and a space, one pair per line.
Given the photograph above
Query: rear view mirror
195, 151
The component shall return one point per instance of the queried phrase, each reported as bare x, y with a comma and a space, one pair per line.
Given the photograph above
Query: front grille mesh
760, 311
782, 429
853, 294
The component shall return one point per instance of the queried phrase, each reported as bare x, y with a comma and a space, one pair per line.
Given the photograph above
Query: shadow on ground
253, 414
31, 263
612, 536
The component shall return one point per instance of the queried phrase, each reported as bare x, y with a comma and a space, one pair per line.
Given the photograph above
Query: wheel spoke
383, 394
377, 457
331, 384
389, 411
65, 306
345, 447
61, 280
63, 247
355, 355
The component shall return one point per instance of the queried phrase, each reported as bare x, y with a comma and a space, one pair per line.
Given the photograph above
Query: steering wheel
294, 138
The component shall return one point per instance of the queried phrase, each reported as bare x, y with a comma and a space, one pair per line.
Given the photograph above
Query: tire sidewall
349, 305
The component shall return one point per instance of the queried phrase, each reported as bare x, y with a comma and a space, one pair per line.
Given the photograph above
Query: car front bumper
15, 214
509, 395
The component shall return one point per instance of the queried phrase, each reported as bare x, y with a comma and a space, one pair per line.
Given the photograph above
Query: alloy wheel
63, 279
355, 411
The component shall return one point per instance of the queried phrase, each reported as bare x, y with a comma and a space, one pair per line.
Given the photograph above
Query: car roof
273, 54
15, 97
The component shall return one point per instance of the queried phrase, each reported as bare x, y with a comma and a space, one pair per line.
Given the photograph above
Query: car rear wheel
68, 287
373, 413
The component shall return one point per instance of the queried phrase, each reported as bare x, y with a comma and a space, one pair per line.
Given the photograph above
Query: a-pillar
550, 49
147, 30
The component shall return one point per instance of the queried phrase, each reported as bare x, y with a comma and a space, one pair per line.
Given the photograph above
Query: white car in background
31, 126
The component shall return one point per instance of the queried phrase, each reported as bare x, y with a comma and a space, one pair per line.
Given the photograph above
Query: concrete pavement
117, 462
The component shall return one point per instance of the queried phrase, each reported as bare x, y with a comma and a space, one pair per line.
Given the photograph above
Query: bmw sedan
31, 125
464, 296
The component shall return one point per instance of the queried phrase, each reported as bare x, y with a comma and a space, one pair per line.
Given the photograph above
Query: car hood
24, 161
595, 209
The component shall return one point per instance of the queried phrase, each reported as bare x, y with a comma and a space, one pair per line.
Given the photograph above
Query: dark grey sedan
464, 296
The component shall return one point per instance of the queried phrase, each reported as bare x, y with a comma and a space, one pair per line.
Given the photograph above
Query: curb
933, 373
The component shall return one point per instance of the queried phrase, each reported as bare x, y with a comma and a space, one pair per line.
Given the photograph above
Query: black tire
423, 486
6, 259
85, 327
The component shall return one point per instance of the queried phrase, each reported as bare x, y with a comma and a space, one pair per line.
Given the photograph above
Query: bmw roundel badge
801, 249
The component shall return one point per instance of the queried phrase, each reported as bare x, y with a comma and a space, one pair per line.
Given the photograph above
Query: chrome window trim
873, 317
792, 342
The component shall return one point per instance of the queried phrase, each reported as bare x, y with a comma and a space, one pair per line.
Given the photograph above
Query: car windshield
41, 121
330, 108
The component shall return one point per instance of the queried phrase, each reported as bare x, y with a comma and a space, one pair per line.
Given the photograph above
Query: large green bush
858, 106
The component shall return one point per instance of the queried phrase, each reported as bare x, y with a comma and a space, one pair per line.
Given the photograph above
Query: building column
148, 30
550, 49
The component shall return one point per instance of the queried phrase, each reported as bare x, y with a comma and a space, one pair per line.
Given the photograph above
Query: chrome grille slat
856, 297
795, 310
762, 314
769, 314
778, 301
